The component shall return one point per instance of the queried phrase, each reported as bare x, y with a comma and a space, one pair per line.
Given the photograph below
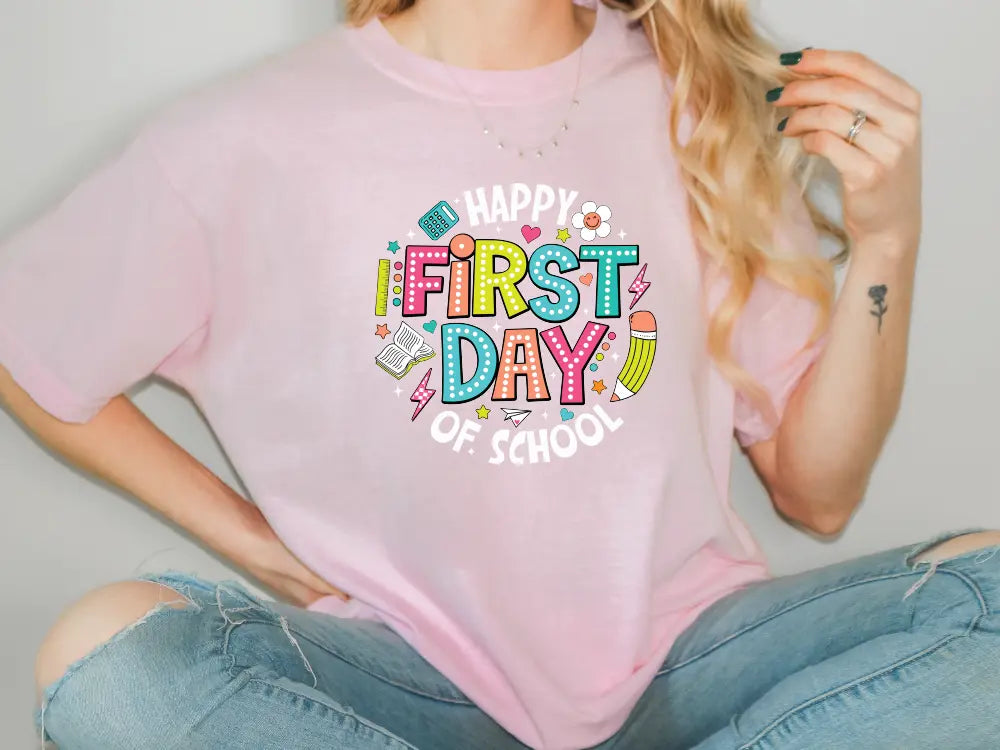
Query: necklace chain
501, 143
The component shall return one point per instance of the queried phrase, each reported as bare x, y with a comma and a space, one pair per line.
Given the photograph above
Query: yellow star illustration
483, 412
599, 386
562, 235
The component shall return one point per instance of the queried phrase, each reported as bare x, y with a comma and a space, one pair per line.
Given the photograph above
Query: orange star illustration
599, 386
382, 330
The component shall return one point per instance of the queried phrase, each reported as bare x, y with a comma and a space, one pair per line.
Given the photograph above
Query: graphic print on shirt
525, 350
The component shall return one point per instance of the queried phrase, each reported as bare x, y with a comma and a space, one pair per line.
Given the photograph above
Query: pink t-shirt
467, 387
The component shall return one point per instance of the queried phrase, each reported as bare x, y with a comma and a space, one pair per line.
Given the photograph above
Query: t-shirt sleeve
772, 329
103, 287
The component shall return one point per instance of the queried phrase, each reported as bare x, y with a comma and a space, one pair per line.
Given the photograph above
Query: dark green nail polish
774, 94
790, 58
781, 125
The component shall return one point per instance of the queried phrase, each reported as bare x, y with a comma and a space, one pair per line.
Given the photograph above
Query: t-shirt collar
601, 49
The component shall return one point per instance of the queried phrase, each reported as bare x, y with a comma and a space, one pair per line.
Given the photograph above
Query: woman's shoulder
306, 85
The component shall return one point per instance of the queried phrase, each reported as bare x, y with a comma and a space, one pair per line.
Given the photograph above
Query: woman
475, 296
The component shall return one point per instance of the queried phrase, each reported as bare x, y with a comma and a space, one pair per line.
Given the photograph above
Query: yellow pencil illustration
641, 348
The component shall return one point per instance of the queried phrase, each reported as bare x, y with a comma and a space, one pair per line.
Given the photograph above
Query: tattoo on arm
877, 293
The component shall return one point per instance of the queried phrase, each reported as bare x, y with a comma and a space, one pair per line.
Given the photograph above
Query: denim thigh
232, 670
848, 655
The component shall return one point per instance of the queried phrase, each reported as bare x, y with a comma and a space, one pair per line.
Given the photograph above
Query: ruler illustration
382, 290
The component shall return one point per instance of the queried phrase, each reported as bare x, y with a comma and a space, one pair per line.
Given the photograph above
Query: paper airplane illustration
516, 415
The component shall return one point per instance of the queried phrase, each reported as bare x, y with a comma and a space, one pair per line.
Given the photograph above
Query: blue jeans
878, 651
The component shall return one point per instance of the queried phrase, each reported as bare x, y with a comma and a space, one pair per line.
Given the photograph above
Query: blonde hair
735, 167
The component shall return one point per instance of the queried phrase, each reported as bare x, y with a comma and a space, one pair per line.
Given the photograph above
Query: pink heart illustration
530, 233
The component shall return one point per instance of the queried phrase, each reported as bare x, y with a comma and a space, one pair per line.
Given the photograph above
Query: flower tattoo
877, 293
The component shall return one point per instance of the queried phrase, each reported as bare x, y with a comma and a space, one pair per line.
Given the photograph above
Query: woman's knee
958, 545
93, 619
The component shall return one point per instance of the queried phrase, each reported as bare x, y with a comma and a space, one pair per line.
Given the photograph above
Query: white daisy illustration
592, 221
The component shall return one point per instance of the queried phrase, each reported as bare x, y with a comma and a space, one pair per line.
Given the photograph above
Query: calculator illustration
438, 220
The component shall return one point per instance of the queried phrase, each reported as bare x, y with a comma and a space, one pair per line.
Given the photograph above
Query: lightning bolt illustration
422, 395
639, 287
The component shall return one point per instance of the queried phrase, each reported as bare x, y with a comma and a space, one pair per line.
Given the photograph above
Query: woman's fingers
824, 106
871, 141
895, 121
861, 69
881, 166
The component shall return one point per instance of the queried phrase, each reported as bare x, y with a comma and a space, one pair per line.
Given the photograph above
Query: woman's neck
493, 34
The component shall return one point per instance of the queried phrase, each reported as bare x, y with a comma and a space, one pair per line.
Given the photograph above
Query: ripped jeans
879, 651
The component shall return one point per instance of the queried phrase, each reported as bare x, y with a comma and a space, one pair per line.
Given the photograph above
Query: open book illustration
407, 349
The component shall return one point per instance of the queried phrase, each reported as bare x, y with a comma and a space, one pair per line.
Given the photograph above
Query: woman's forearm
123, 447
832, 437
866, 122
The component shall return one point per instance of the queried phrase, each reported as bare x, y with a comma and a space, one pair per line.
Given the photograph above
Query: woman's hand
881, 170
272, 563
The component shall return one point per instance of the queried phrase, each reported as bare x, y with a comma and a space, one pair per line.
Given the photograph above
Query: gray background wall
77, 78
